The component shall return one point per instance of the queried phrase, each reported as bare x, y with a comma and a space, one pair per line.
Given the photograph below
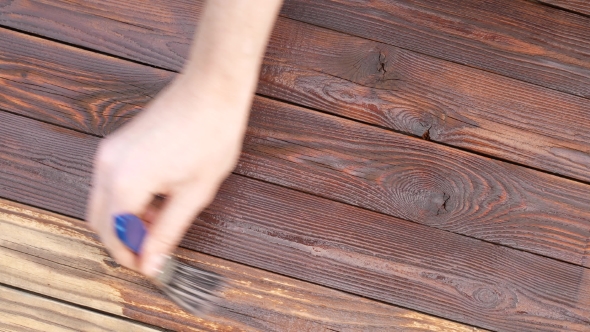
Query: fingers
125, 196
113, 194
171, 224
98, 221
98, 218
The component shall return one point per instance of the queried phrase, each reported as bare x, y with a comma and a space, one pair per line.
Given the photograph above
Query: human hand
183, 145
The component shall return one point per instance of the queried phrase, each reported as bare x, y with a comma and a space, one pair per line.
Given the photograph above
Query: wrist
222, 93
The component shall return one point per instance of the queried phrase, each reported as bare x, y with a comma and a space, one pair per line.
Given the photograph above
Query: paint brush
195, 290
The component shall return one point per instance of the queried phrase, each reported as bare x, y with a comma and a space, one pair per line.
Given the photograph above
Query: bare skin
188, 140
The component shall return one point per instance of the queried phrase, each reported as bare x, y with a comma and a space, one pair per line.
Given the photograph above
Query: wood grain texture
22, 311
45, 165
73, 88
515, 38
430, 98
374, 255
349, 76
416, 180
388, 259
519, 39
447, 189
579, 6
150, 31
57, 256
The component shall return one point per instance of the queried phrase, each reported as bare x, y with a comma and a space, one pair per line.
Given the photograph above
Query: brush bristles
193, 289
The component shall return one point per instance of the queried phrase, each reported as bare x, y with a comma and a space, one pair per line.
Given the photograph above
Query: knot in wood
374, 68
487, 297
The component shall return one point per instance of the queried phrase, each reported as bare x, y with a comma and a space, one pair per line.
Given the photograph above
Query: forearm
227, 52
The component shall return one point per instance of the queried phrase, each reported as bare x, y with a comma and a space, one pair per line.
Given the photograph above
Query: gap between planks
580, 7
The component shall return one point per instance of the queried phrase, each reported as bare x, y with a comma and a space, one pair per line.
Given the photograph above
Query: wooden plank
579, 6
76, 89
45, 165
22, 311
514, 38
334, 72
505, 204
363, 252
150, 31
57, 256
392, 260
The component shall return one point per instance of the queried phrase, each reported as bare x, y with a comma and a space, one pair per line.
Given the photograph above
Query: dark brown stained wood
150, 31
550, 46
516, 38
391, 260
21, 311
55, 255
579, 6
348, 162
45, 165
326, 70
367, 253
416, 180
430, 98
555, 225
77, 89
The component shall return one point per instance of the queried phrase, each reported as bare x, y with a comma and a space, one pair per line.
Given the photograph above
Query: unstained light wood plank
22, 311
57, 256
354, 250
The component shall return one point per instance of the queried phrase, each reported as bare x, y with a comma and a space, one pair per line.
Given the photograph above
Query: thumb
171, 224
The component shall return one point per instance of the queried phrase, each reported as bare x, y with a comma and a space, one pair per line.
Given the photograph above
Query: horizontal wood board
515, 38
520, 39
57, 256
26, 312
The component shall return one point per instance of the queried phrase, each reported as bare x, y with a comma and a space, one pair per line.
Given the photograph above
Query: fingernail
154, 265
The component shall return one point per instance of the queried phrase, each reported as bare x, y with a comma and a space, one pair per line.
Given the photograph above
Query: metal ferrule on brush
166, 273
193, 289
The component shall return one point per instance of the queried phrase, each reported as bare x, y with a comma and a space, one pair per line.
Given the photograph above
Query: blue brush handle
130, 230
